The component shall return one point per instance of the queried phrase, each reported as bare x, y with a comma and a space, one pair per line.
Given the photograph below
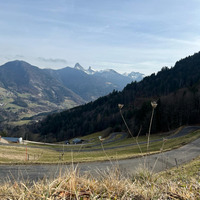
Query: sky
125, 35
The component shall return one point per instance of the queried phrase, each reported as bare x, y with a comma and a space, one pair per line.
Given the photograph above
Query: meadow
94, 150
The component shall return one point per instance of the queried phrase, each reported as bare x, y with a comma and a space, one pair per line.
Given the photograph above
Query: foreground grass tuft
179, 183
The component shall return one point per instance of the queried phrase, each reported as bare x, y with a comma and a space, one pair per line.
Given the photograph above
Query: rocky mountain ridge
26, 90
134, 76
91, 84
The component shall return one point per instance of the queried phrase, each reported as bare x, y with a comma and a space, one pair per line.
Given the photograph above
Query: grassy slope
50, 154
7, 98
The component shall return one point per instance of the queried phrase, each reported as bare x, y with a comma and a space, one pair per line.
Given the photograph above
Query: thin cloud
125, 35
53, 60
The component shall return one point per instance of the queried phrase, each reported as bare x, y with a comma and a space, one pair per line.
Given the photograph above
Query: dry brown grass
17, 154
182, 183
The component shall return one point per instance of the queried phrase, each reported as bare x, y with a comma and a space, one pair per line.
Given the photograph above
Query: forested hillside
26, 91
176, 90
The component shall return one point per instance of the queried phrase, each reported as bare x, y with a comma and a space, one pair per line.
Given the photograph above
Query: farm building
11, 140
77, 141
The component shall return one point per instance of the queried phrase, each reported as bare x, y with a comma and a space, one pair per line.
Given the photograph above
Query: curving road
156, 163
182, 132
111, 139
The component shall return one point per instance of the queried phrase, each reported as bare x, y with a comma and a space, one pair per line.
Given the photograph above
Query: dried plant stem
161, 151
153, 104
148, 139
125, 123
136, 139
106, 153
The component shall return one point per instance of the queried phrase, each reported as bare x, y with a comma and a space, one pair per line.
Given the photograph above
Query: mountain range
90, 84
176, 91
26, 90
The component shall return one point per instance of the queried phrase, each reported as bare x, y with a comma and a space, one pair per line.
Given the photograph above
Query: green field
60, 153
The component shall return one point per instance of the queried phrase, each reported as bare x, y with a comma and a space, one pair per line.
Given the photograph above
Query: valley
28, 93
17, 108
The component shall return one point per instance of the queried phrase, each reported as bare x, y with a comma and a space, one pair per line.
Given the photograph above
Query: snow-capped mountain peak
79, 67
87, 71
90, 71
136, 76
111, 74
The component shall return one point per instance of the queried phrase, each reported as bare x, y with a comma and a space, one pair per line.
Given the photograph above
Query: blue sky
126, 35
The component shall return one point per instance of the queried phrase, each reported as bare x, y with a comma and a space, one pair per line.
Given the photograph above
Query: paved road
156, 163
182, 132
112, 138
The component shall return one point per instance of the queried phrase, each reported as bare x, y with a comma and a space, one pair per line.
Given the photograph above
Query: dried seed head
154, 104
120, 106
101, 139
